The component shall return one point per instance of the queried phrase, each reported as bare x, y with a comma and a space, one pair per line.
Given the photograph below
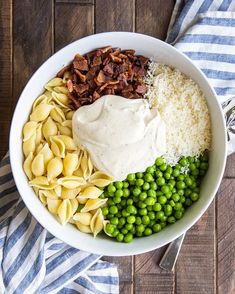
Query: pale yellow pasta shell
54, 168
69, 193
97, 222
65, 130
29, 130
70, 163
36, 190
67, 123
105, 222
71, 182
82, 228
27, 166
57, 114
49, 128
61, 89
43, 99
47, 153
68, 141
82, 200
53, 205
92, 204
48, 193
69, 114
42, 183
41, 112
58, 190
65, 211
90, 192
38, 166
74, 205
57, 146
78, 172
29, 145
38, 134
60, 99
86, 165
42, 197
83, 217
100, 179
49, 96
55, 82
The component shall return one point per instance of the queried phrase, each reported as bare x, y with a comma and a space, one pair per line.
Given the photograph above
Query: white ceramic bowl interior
163, 53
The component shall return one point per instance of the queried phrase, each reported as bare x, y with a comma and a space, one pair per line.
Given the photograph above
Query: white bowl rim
59, 235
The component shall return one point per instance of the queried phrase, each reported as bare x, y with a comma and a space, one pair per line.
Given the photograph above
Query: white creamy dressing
121, 135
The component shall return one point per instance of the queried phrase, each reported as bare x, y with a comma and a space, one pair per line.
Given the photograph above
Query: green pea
188, 181
159, 215
165, 189
172, 203
159, 161
181, 177
148, 232
182, 199
167, 176
145, 220
111, 188
123, 202
159, 193
204, 165
117, 199
125, 213
141, 204
150, 208
178, 214
136, 191
138, 220
126, 193
194, 196
158, 174
167, 210
148, 177
143, 196
171, 219
168, 195
150, 169
140, 228
122, 221
187, 192
129, 201
157, 207
119, 185
162, 199
180, 185
178, 206
163, 167
109, 228
131, 219
153, 186
151, 223
176, 172
197, 190
192, 167
114, 221
131, 177
105, 211
113, 209
157, 228
195, 172
143, 211
119, 193
120, 237
128, 238
197, 163
151, 215
139, 234
124, 231
125, 184
128, 226
188, 202
151, 193
133, 231
119, 206
150, 201
146, 186
160, 181
139, 182
180, 192
139, 175
172, 182
115, 233
175, 197
110, 202
163, 224
183, 161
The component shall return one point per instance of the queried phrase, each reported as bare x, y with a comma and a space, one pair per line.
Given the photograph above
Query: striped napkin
34, 261
204, 30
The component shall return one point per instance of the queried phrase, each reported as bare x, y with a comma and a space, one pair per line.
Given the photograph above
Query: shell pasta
62, 174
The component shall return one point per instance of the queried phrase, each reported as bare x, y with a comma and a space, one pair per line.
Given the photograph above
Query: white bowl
161, 52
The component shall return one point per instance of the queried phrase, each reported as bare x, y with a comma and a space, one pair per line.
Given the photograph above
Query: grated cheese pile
183, 108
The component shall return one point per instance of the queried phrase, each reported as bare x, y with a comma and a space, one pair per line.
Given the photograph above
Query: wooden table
31, 31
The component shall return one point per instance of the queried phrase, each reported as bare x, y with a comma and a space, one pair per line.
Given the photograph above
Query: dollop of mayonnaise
121, 135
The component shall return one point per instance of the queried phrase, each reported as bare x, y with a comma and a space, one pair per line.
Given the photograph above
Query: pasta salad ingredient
183, 109
61, 173
105, 71
146, 202
112, 130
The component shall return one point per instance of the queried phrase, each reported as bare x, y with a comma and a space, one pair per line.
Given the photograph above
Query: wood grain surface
30, 31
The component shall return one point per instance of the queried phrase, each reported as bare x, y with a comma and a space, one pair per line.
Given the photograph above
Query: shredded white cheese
183, 108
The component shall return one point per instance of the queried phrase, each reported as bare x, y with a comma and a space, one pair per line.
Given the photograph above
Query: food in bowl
104, 162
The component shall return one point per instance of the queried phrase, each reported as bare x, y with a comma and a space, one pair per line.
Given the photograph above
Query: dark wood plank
32, 39
83, 2
5, 73
72, 22
124, 265
230, 167
154, 284
195, 269
112, 15
126, 288
153, 17
226, 237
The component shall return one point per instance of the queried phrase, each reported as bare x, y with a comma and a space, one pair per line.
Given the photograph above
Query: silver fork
170, 256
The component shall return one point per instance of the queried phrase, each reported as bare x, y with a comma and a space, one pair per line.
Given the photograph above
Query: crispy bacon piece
105, 71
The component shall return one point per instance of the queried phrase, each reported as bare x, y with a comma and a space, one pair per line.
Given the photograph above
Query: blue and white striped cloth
204, 30
34, 261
